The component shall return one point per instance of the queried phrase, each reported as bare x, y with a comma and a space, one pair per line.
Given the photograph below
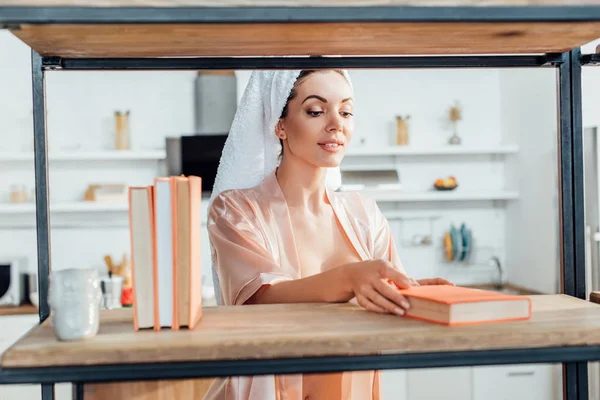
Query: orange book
456, 305
186, 196
195, 192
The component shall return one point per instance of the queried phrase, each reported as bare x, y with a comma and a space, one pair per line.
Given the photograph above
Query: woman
261, 229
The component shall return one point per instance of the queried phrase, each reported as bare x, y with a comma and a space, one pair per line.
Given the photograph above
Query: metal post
572, 221
78, 391
40, 147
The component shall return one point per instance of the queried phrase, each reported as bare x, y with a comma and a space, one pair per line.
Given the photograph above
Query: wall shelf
400, 196
107, 155
66, 207
432, 151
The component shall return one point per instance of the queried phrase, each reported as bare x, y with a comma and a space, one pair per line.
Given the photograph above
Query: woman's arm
364, 280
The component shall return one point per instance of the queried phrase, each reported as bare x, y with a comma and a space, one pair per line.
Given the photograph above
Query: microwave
13, 282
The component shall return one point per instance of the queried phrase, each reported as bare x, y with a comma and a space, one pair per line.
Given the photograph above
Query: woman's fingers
390, 291
368, 304
402, 281
380, 301
435, 281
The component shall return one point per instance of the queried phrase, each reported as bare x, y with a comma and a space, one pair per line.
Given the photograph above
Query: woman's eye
346, 114
314, 113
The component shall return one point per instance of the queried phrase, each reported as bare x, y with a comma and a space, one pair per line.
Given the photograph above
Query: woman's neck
303, 185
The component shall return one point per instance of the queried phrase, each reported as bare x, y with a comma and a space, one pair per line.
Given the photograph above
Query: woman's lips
331, 147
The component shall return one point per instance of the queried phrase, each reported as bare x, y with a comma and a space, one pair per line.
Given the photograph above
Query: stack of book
164, 224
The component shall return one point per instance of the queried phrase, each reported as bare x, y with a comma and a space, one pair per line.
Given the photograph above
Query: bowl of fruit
448, 183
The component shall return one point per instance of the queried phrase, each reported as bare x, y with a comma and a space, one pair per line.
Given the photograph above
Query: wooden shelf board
281, 39
288, 331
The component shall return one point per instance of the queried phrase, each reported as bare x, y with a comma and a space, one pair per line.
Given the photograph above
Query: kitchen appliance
215, 98
112, 287
370, 180
13, 282
197, 155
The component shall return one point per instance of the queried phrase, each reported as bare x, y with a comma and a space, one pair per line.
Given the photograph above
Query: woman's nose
336, 123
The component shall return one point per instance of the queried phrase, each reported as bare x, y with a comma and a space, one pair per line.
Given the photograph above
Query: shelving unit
72, 207
458, 195
432, 151
107, 155
72, 35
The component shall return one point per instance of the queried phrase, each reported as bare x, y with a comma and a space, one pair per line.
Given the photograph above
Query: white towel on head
252, 149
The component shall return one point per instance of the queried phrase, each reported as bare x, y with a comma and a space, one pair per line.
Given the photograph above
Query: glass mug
75, 297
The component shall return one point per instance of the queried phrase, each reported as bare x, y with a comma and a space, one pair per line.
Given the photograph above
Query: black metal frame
110, 15
570, 145
211, 369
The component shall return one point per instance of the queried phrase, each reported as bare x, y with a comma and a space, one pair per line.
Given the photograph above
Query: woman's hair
301, 77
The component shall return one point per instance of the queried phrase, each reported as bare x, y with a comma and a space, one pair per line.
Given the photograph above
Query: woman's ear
280, 130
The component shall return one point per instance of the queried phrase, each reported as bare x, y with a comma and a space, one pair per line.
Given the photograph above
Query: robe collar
273, 189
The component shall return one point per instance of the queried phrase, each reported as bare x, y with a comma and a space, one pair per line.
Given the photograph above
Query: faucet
495, 261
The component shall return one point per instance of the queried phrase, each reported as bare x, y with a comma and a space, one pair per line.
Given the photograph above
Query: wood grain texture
24, 309
305, 330
275, 39
148, 390
290, 3
595, 297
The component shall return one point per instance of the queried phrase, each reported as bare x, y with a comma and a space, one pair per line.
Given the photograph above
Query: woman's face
319, 122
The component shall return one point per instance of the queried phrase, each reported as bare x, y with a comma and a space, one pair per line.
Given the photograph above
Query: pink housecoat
252, 245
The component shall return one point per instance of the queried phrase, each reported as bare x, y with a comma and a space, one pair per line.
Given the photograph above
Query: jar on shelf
122, 141
402, 134
18, 193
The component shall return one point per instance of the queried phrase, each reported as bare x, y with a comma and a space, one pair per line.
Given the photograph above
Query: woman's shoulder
234, 202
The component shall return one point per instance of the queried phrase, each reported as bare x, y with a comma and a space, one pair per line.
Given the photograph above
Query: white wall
80, 107
590, 77
529, 103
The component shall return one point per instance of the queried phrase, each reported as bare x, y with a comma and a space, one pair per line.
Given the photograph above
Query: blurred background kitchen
462, 162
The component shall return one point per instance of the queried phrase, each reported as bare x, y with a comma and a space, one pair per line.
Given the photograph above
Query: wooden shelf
199, 28
108, 155
288, 331
222, 40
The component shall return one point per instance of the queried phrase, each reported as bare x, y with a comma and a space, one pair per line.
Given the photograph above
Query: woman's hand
366, 281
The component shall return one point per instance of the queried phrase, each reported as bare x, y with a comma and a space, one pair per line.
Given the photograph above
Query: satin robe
252, 244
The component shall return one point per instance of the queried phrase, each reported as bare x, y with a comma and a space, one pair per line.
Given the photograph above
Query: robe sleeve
239, 251
383, 242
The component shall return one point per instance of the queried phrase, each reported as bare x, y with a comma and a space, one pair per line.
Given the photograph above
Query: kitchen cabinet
13, 327
517, 382
439, 383
392, 385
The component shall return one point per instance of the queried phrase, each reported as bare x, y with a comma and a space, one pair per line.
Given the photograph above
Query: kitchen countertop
23, 309
506, 288
277, 331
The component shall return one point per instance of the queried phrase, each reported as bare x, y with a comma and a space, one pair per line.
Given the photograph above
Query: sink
508, 291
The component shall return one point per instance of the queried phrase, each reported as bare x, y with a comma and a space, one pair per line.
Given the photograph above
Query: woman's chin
330, 164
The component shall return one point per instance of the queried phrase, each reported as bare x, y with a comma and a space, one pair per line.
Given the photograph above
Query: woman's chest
322, 244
